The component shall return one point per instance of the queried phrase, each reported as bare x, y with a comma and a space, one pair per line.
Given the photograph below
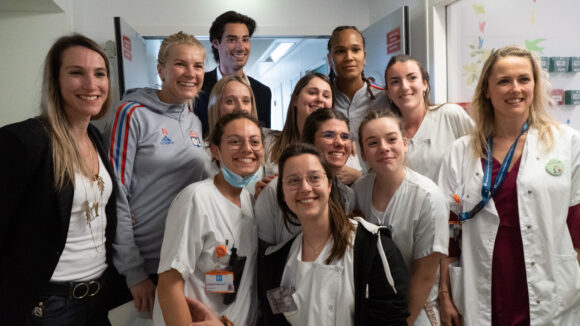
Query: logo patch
195, 141
166, 141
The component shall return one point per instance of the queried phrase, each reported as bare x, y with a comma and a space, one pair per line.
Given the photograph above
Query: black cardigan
382, 306
34, 218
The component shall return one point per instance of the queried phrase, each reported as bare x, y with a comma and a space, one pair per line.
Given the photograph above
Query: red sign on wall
127, 48
394, 40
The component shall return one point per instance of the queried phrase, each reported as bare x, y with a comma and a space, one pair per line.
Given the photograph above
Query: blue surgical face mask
235, 180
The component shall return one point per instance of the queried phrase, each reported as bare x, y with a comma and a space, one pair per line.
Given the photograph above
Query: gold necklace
92, 210
316, 251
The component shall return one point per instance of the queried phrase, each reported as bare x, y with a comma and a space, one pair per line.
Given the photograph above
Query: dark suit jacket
34, 218
262, 94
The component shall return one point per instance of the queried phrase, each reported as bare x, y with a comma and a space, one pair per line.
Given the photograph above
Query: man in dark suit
230, 35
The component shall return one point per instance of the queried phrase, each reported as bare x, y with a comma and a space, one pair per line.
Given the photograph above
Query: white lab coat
417, 216
200, 219
324, 293
439, 129
552, 270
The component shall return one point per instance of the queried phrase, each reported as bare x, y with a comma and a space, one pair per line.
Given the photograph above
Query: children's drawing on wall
476, 27
477, 53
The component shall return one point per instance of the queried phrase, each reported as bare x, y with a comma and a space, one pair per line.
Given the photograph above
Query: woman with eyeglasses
406, 202
328, 131
210, 245
336, 271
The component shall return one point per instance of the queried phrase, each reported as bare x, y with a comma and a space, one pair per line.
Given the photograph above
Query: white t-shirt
200, 219
324, 294
439, 129
270, 219
84, 256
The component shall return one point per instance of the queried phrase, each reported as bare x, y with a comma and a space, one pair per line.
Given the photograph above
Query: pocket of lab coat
568, 281
456, 280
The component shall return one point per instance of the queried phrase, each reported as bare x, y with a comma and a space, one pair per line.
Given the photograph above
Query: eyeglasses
237, 142
313, 178
329, 136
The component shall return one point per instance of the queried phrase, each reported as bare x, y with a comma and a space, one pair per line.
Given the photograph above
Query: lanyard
486, 191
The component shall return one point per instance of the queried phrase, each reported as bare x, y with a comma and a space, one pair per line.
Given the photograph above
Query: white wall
25, 39
417, 22
309, 54
274, 18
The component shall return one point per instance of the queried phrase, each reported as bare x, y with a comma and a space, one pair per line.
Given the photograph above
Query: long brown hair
424, 76
340, 225
65, 154
482, 108
291, 132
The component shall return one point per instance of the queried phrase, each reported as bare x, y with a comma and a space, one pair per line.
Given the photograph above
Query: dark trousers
63, 311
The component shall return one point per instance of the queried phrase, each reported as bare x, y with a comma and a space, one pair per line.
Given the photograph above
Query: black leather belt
76, 290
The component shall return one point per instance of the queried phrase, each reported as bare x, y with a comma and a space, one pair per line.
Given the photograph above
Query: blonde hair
176, 39
65, 154
482, 109
215, 97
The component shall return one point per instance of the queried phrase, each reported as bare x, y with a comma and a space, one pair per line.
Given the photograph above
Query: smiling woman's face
236, 96
306, 187
333, 139
317, 94
383, 145
406, 86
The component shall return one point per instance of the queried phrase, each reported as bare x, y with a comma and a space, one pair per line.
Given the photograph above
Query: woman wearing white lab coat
429, 129
336, 271
210, 232
517, 263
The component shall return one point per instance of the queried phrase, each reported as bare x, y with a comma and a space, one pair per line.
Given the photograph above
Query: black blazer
34, 218
262, 94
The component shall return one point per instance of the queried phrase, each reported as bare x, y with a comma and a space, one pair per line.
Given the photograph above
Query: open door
131, 57
384, 39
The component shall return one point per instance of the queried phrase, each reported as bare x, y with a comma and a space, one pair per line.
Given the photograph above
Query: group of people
371, 206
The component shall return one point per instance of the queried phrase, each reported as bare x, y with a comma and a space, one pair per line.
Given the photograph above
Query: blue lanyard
486, 191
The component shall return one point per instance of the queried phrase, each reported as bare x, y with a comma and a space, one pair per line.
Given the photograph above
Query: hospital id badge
281, 300
219, 281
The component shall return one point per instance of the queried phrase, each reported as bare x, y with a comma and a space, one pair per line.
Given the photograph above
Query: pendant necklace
92, 210
316, 250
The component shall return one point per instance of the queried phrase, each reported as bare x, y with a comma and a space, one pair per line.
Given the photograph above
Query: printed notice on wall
394, 40
126, 48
